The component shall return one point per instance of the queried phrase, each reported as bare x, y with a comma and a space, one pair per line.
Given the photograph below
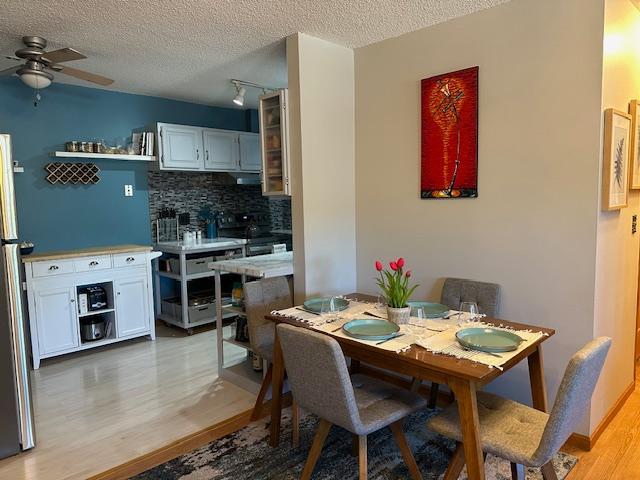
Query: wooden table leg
465, 391
355, 366
536, 377
276, 391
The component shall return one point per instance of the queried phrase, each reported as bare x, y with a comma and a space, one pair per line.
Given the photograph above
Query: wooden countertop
84, 252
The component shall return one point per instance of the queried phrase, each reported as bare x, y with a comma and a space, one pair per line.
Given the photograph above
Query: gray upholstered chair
521, 434
261, 297
457, 290
321, 384
485, 295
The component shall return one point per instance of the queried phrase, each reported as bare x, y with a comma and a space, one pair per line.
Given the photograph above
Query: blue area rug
246, 455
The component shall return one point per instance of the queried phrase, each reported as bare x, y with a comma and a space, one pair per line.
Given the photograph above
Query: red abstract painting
450, 135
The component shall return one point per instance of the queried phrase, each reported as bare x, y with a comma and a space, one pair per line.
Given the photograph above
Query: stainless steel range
255, 228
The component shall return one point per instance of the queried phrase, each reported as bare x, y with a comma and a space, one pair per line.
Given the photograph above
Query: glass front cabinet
275, 143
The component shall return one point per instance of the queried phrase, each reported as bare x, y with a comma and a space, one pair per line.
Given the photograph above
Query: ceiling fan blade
10, 71
89, 77
63, 55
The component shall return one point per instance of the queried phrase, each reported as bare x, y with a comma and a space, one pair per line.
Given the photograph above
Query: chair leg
401, 440
548, 472
433, 395
264, 388
295, 424
354, 445
517, 471
415, 384
362, 457
456, 464
316, 448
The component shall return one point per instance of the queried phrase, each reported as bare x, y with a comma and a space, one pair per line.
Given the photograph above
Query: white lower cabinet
56, 320
55, 295
132, 315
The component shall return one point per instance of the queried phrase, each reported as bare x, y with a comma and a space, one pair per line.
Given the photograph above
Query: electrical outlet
128, 190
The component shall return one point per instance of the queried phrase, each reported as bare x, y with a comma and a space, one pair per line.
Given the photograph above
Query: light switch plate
128, 190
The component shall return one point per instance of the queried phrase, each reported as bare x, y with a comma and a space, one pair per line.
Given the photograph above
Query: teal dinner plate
488, 339
431, 310
315, 304
370, 329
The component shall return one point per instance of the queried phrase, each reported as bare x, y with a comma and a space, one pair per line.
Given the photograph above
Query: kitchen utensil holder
73, 173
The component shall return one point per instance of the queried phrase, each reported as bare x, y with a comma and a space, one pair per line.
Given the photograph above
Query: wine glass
469, 307
328, 309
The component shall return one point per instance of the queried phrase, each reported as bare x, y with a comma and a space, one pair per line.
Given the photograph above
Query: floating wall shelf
106, 156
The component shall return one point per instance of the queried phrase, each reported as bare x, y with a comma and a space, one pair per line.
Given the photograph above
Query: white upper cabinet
275, 143
220, 150
180, 147
186, 148
249, 152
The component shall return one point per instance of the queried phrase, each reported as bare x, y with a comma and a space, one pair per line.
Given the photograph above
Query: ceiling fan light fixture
239, 98
35, 79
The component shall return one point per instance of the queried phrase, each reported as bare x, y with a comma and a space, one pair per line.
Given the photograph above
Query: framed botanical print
617, 136
634, 161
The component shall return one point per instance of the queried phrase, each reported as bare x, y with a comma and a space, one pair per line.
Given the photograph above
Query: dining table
463, 376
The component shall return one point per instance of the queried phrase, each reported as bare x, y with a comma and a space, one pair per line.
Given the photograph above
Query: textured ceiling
189, 49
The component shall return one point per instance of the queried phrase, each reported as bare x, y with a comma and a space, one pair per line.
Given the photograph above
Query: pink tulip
394, 266
400, 262
407, 273
378, 265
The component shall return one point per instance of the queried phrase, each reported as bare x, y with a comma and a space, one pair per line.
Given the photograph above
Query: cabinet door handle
206, 152
93, 263
130, 259
73, 300
53, 267
118, 293
197, 154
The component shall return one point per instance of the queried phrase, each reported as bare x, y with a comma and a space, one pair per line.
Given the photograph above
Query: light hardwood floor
101, 408
616, 455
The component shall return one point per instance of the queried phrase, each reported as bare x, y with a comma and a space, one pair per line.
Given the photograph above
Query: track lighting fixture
241, 90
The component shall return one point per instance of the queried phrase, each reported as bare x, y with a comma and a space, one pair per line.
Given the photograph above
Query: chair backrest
279, 248
318, 375
486, 295
261, 297
573, 397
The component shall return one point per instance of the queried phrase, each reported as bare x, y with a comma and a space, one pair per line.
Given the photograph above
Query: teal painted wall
58, 217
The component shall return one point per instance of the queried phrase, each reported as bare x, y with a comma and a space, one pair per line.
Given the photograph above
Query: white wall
321, 109
617, 248
533, 227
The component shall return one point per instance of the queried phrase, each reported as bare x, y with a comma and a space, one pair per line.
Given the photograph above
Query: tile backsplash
188, 192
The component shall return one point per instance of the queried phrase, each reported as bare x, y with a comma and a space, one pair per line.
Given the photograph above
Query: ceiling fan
35, 72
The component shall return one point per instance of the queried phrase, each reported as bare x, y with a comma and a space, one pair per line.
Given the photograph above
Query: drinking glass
328, 309
418, 316
381, 302
469, 307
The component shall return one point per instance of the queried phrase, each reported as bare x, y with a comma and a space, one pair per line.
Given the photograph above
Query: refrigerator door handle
19, 350
8, 218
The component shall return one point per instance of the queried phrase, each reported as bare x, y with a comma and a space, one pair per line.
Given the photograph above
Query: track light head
239, 98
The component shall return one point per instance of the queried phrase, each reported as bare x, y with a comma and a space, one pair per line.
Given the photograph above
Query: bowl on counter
26, 248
